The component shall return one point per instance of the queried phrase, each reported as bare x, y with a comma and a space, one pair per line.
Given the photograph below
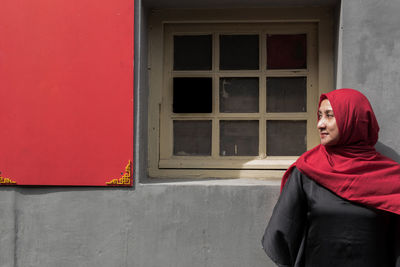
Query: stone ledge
210, 182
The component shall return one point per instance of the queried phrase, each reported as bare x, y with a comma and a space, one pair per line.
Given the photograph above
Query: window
235, 96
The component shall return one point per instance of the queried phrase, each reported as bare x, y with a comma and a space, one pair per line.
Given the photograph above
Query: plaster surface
151, 226
370, 62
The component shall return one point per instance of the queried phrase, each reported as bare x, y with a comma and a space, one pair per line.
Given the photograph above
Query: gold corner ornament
6, 181
125, 179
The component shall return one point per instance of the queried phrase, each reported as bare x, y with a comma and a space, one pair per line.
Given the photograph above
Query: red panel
66, 91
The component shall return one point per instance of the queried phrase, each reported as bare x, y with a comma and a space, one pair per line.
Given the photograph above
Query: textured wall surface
370, 62
154, 225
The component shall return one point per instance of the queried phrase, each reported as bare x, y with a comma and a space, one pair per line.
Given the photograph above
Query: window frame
317, 22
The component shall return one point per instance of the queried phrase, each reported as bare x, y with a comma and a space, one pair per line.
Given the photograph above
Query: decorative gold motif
125, 178
4, 180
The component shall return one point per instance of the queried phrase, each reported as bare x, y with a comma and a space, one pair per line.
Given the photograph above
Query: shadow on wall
387, 151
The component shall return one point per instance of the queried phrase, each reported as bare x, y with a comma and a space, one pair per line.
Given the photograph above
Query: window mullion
215, 122
263, 95
262, 123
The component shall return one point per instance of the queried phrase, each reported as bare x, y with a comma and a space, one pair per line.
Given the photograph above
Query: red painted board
66, 92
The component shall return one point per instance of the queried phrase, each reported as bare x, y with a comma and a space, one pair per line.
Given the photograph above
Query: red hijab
352, 168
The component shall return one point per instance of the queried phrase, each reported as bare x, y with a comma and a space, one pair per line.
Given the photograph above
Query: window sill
215, 174
211, 182
276, 163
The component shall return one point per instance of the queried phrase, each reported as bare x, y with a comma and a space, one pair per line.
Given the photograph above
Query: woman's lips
323, 135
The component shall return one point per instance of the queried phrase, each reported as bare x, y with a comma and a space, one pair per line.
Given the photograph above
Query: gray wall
188, 224
371, 62
154, 225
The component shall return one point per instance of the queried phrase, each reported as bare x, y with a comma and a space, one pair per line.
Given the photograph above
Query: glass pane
192, 95
193, 52
286, 138
287, 51
287, 94
192, 138
238, 52
238, 95
238, 138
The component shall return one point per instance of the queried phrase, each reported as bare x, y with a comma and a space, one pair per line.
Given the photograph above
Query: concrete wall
370, 62
154, 225
189, 223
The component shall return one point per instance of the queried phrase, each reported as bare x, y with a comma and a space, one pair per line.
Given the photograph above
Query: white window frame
316, 22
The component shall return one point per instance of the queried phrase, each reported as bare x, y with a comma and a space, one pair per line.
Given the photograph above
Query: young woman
340, 201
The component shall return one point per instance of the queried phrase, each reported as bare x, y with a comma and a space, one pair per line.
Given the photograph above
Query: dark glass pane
238, 138
286, 138
192, 95
287, 94
192, 138
193, 52
238, 95
238, 52
287, 51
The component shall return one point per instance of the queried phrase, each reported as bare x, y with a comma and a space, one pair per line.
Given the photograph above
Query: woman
341, 205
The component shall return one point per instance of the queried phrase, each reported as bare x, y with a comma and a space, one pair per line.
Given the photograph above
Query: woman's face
327, 127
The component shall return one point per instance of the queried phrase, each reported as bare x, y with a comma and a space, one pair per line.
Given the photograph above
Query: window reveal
236, 96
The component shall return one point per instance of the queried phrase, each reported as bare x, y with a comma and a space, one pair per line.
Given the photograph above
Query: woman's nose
321, 123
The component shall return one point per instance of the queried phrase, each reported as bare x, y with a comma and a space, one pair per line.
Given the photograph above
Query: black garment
312, 227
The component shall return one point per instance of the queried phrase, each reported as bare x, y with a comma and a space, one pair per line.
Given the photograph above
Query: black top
312, 227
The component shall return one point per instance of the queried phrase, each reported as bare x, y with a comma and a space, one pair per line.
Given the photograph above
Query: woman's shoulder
297, 176
296, 182
300, 180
